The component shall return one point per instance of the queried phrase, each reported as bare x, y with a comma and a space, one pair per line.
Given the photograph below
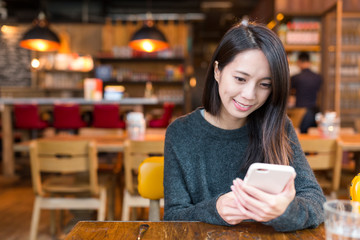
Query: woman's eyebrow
245, 73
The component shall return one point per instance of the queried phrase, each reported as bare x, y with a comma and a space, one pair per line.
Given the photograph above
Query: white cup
136, 125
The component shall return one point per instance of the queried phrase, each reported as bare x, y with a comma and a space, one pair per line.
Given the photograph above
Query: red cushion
164, 120
107, 116
27, 117
68, 117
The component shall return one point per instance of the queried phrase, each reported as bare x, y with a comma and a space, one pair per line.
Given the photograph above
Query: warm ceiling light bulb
148, 39
35, 63
147, 46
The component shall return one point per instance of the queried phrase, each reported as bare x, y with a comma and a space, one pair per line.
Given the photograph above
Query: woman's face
244, 86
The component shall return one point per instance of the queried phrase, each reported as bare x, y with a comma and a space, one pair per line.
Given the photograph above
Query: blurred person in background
306, 86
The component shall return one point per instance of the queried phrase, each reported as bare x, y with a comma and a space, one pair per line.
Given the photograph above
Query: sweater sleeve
306, 210
178, 203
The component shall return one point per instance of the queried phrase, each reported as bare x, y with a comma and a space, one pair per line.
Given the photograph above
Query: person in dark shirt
306, 85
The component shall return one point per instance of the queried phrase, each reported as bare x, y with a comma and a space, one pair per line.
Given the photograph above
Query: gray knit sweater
201, 162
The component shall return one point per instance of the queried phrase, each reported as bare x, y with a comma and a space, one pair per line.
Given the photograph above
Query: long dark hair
268, 140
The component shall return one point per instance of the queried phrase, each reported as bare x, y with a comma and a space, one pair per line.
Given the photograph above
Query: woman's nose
249, 91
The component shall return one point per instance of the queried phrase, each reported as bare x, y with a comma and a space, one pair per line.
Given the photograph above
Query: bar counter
6, 104
81, 101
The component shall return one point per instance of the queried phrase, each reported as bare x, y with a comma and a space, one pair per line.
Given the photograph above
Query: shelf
308, 48
62, 71
350, 111
350, 79
345, 48
63, 89
138, 59
164, 82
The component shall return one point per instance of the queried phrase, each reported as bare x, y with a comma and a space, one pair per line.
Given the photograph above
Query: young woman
208, 151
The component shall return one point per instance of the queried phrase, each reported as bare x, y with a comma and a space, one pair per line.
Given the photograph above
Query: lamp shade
148, 39
40, 37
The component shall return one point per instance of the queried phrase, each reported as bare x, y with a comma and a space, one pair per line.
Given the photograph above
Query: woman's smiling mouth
242, 107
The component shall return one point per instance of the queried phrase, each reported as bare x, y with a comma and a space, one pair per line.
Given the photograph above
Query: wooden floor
16, 206
16, 203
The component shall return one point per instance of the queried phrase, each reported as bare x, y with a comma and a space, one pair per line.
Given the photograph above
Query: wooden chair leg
102, 209
111, 197
35, 219
52, 222
125, 207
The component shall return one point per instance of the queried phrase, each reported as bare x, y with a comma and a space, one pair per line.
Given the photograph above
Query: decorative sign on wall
14, 60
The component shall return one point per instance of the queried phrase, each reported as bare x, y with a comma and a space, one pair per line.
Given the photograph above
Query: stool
27, 117
164, 120
150, 184
67, 117
107, 116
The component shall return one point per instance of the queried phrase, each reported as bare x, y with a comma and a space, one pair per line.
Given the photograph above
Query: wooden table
185, 230
350, 143
104, 143
8, 165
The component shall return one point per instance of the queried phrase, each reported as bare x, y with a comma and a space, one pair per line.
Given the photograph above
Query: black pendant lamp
148, 39
40, 37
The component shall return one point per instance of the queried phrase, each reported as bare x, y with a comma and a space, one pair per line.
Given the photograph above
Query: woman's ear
216, 71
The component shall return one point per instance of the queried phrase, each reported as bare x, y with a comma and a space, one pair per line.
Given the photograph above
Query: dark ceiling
71, 10
217, 15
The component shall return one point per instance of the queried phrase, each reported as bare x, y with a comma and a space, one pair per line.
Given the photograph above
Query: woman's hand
261, 206
227, 208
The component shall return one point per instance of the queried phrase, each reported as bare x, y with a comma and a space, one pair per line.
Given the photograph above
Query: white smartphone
270, 178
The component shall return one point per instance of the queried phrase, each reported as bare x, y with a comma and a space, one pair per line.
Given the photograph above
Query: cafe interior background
95, 62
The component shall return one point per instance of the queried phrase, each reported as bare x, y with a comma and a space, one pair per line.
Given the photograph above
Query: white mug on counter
136, 125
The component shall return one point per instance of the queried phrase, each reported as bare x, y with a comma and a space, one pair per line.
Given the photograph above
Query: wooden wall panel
302, 7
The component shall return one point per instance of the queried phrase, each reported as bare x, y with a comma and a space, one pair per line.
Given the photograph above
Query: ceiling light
40, 37
148, 39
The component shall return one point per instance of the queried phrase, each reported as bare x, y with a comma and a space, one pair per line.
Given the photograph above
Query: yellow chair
150, 184
64, 176
355, 188
135, 151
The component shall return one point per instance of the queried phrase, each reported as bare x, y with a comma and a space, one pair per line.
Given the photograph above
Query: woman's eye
266, 85
240, 79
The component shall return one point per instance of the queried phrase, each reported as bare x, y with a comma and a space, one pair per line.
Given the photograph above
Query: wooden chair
90, 131
75, 183
134, 154
321, 155
151, 176
296, 115
110, 164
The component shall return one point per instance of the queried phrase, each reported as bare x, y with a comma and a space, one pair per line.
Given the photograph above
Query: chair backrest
106, 116
343, 131
89, 131
168, 109
150, 178
67, 116
134, 154
26, 116
321, 155
64, 158
296, 115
